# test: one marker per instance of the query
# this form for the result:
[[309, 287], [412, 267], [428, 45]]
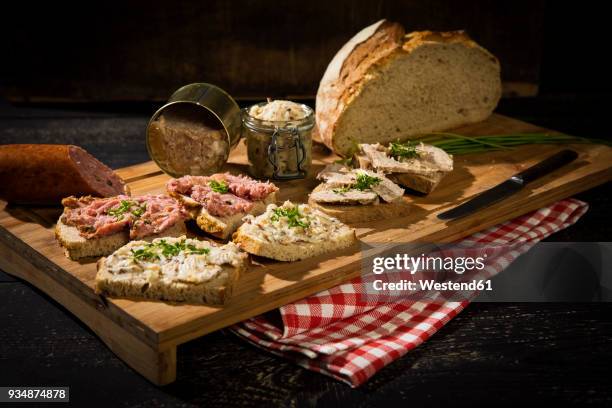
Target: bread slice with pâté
[[222, 200], [77, 247], [357, 195], [172, 269], [93, 227], [291, 232], [418, 166]]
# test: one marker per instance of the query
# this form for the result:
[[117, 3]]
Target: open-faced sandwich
[[417, 166], [91, 226], [357, 195], [291, 232], [219, 202], [172, 269]]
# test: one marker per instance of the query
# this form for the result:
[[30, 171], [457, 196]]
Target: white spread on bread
[[173, 260], [292, 223]]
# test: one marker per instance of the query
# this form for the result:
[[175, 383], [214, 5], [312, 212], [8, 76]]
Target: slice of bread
[[224, 227], [77, 247], [206, 283], [385, 86], [359, 213], [275, 239]]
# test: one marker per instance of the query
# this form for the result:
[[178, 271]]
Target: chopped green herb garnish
[[294, 218], [138, 211], [120, 211], [144, 254], [341, 190], [218, 186], [127, 206], [151, 251], [365, 182], [405, 149]]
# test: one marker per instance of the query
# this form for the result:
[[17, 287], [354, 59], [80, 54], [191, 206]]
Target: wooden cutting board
[[146, 334]]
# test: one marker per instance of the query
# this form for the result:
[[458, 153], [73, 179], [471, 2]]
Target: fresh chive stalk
[[456, 144]]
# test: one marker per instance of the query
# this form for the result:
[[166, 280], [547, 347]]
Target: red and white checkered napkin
[[349, 336]]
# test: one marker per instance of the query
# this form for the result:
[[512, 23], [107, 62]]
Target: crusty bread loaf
[[385, 86], [355, 213], [77, 247]]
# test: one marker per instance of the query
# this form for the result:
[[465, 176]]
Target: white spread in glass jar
[[278, 110], [279, 140]]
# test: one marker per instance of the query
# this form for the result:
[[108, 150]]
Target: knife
[[510, 186]]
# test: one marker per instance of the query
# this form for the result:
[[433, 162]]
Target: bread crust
[[334, 94], [361, 66]]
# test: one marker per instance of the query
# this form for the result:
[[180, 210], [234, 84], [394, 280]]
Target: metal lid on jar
[[194, 131]]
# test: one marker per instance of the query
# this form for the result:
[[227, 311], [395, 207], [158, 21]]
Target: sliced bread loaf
[[384, 86]]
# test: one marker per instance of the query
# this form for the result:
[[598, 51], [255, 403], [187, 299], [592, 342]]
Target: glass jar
[[278, 150]]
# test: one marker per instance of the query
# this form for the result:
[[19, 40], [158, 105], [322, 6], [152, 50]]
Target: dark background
[[142, 51], [91, 73]]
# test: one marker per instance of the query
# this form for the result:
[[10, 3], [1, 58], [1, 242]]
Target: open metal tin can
[[194, 131]]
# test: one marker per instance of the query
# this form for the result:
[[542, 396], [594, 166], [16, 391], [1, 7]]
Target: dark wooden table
[[491, 354]]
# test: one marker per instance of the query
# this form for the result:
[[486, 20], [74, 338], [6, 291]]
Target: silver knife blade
[[510, 186]]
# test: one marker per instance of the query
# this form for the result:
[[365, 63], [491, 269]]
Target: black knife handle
[[547, 166]]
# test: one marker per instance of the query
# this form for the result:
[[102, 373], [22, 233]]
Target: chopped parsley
[[151, 251], [218, 186], [341, 190], [294, 218], [120, 211], [144, 254], [406, 149], [138, 211], [364, 181], [127, 206]]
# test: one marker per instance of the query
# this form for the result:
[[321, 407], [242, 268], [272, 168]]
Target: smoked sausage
[[45, 173]]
